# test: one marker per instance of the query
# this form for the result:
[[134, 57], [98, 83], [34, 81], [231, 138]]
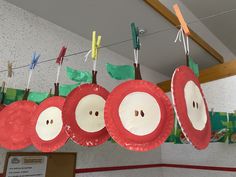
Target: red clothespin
[[181, 19], [61, 55]]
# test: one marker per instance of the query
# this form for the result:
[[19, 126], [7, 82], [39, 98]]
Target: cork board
[[58, 164]]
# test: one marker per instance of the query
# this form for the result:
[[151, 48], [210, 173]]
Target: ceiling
[[224, 26], [112, 18]]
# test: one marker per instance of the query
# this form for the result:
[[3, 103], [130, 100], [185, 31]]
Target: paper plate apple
[[47, 132], [15, 119], [189, 102], [83, 112], [138, 114], [191, 107]]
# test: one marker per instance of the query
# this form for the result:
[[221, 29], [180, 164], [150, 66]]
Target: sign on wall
[[36, 164], [26, 166]]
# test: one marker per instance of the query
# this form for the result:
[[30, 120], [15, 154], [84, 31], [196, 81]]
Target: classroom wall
[[21, 34], [220, 96]]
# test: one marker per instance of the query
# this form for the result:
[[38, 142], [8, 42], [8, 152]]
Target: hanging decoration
[[83, 111], [37, 97], [138, 114], [15, 118], [76, 76], [122, 72], [47, 132], [5, 85], [189, 102]]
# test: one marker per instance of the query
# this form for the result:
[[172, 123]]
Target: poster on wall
[[23, 166]]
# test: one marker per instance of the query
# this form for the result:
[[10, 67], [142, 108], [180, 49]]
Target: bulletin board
[[57, 164]]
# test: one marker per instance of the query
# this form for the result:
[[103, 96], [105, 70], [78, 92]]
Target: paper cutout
[[15, 125], [78, 76], [90, 113], [131, 100], [193, 66], [120, 72], [191, 108], [47, 132], [65, 89], [139, 117], [37, 97], [87, 101], [195, 105]]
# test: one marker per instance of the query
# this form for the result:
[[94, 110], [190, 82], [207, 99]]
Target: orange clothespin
[[181, 19]]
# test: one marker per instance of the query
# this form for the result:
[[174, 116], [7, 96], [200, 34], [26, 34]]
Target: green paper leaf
[[37, 97], [194, 66], [122, 72], [11, 93], [66, 89], [78, 76]]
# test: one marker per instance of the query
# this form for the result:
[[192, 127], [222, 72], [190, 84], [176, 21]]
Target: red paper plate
[[47, 130], [138, 115], [15, 125], [83, 114], [191, 107]]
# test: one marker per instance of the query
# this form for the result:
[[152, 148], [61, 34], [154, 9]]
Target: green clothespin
[[135, 36]]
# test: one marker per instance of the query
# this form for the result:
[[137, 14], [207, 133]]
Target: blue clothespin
[[135, 36], [34, 61]]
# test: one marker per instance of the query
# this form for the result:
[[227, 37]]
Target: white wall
[[21, 33], [221, 96]]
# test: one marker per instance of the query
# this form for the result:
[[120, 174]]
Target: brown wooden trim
[[215, 72], [166, 13]]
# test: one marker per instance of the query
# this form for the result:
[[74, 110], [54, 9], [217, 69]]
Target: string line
[[128, 40]]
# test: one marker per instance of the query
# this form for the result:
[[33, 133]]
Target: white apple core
[[195, 104], [90, 113], [49, 123], [139, 113]]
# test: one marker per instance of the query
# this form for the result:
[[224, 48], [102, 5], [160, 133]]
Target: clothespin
[[180, 17], [96, 43], [59, 61], [183, 33], [34, 61], [9, 69], [135, 36], [61, 55], [136, 41]]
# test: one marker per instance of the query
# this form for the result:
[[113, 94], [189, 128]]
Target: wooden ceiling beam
[[215, 72], [166, 13]]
